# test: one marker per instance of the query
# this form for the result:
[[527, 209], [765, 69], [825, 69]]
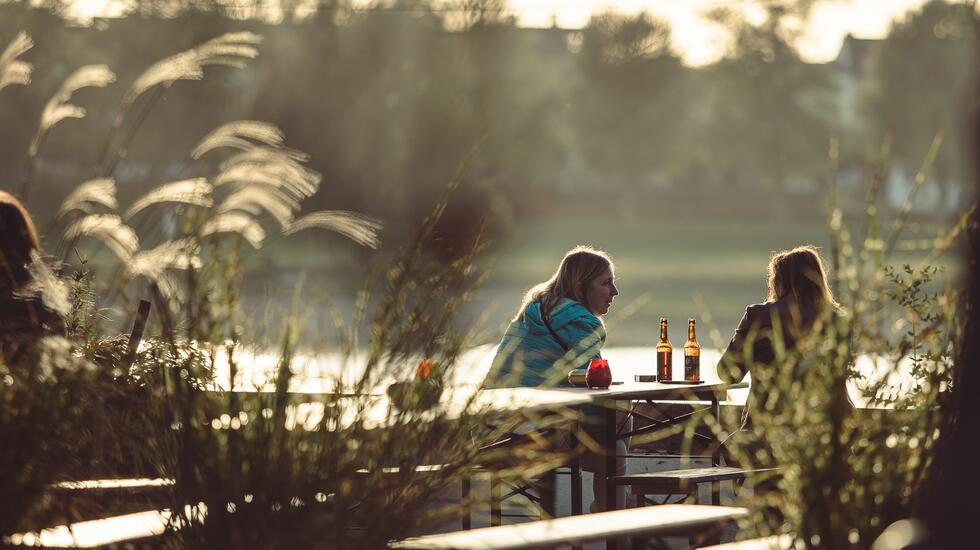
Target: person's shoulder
[[532, 309], [571, 311], [753, 310], [530, 321], [761, 314]]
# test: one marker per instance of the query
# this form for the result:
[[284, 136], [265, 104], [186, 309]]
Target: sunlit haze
[[699, 41], [695, 39]]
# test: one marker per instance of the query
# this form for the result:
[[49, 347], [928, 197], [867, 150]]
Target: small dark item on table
[[645, 377], [419, 395]]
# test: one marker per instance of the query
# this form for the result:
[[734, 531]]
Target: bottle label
[[692, 367]]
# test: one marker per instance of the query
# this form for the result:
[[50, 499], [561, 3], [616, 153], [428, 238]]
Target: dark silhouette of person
[[23, 314], [769, 333]]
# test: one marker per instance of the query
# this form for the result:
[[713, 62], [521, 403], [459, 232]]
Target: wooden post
[[136, 336]]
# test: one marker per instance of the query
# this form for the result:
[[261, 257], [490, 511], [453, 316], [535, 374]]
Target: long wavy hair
[[799, 275], [577, 269], [18, 239]]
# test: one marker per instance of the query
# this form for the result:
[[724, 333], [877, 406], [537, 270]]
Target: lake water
[[323, 372]]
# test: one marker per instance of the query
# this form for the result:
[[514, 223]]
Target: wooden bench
[[683, 482], [775, 542], [654, 521], [128, 528], [76, 501], [112, 484]]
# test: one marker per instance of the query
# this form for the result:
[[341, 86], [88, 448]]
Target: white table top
[[656, 390], [458, 401]]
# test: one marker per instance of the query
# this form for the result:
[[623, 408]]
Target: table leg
[[495, 504], [467, 506], [609, 434], [716, 413], [609, 448], [716, 453], [576, 475]]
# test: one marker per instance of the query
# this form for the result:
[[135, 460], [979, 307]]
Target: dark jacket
[[23, 321], [754, 344]]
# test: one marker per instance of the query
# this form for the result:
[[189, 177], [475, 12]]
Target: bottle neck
[[663, 332], [690, 332]]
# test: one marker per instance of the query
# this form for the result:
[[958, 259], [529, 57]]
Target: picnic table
[[458, 401], [712, 391], [652, 393]]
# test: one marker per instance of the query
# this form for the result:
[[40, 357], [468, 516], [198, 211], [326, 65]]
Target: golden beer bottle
[[692, 354], [664, 353]]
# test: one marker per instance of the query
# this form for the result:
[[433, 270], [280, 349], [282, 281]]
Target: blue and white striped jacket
[[529, 355]]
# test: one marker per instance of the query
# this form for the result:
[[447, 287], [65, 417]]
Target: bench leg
[[692, 493], [494, 501], [576, 482], [466, 508], [710, 537], [737, 485], [549, 496]]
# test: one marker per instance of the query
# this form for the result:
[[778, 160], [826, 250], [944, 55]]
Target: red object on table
[[598, 375]]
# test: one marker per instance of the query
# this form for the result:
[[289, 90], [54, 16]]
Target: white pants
[[592, 462]]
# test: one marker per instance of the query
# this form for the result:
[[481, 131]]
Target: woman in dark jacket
[[798, 301]]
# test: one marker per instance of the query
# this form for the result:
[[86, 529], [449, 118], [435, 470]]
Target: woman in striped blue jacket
[[557, 329]]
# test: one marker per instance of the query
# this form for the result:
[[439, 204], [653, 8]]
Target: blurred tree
[[626, 109], [387, 102], [612, 39], [761, 130], [945, 499], [922, 89]]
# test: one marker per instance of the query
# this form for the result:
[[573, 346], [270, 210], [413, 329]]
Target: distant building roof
[[853, 53]]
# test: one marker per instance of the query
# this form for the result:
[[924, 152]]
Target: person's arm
[[732, 367]]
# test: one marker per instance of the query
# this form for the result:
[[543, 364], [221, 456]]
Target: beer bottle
[[692, 354], [664, 353]]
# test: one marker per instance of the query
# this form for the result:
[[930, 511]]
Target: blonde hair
[[799, 273], [577, 269]]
